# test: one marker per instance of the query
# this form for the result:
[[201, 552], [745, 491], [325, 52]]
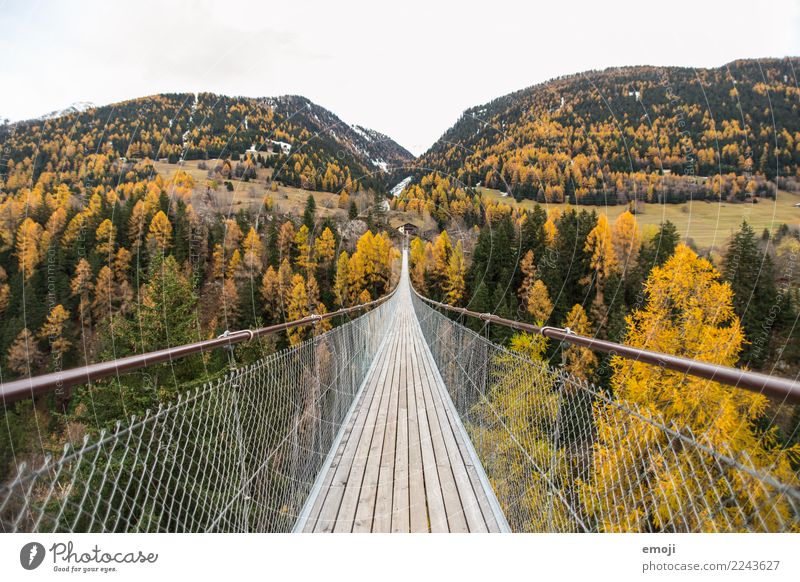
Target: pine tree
[[310, 213], [750, 273], [653, 253]]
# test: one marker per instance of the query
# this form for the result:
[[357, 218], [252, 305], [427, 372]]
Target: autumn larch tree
[[638, 471]]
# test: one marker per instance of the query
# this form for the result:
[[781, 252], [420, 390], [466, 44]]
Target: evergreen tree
[[310, 213], [750, 272]]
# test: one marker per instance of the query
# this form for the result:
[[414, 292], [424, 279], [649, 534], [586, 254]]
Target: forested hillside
[[105, 252], [655, 134], [306, 145]]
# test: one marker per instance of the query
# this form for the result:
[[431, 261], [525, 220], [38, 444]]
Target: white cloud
[[407, 69]]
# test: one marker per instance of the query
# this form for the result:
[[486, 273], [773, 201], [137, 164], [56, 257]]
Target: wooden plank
[[332, 509], [363, 488], [437, 515], [403, 464], [469, 501], [382, 514], [313, 515], [445, 481], [400, 496], [416, 482]]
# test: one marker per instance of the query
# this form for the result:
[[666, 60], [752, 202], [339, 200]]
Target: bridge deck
[[404, 463]]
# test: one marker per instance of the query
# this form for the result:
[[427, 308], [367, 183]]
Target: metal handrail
[[781, 388], [24, 388]]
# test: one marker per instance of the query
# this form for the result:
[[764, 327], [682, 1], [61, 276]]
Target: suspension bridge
[[399, 420]]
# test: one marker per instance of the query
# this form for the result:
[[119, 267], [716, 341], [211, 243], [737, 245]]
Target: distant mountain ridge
[[315, 149], [600, 135]]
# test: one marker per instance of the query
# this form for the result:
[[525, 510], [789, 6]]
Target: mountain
[[653, 133], [76, 107], [306, 144], [377, 149]]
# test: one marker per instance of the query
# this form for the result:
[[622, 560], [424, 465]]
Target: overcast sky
[[406, 68]]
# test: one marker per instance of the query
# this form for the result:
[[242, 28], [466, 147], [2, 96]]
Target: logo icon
[[31, 555]]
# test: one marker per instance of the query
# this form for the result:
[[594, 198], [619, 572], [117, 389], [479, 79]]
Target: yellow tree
[[136, 224], [357, 276], [286, 240], [341, 284], [302, 242], [159, 236], [232, 236], [29, 253], [638, 479], [218, 262], [416, 264], [538, 302], [442, 249], [285, 284], [602, 261], [105, 235], [528, 269], [52, 332], [230, 302], [103, 294], [270, 293], [579, 361], [627, 241], [234, 270], [364, 297], [252, 253], [121, 264], [297, 308], [24, 356], [325, 246], [81, 286], [456, 270]]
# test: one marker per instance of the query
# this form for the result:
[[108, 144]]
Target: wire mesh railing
[[238, 454], [564, 456]]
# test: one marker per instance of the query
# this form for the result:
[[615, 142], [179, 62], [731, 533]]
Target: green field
[[708, 224]]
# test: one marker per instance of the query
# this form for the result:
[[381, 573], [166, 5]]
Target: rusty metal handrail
[[781, 388], [24, 388]]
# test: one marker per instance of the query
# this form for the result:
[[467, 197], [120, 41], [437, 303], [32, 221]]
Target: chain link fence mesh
[[563, 456], [236, 455]]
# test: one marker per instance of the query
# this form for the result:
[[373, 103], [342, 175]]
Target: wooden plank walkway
[[402, 464]]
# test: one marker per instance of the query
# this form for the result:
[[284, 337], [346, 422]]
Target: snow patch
[[77, 107], [399, 187]]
